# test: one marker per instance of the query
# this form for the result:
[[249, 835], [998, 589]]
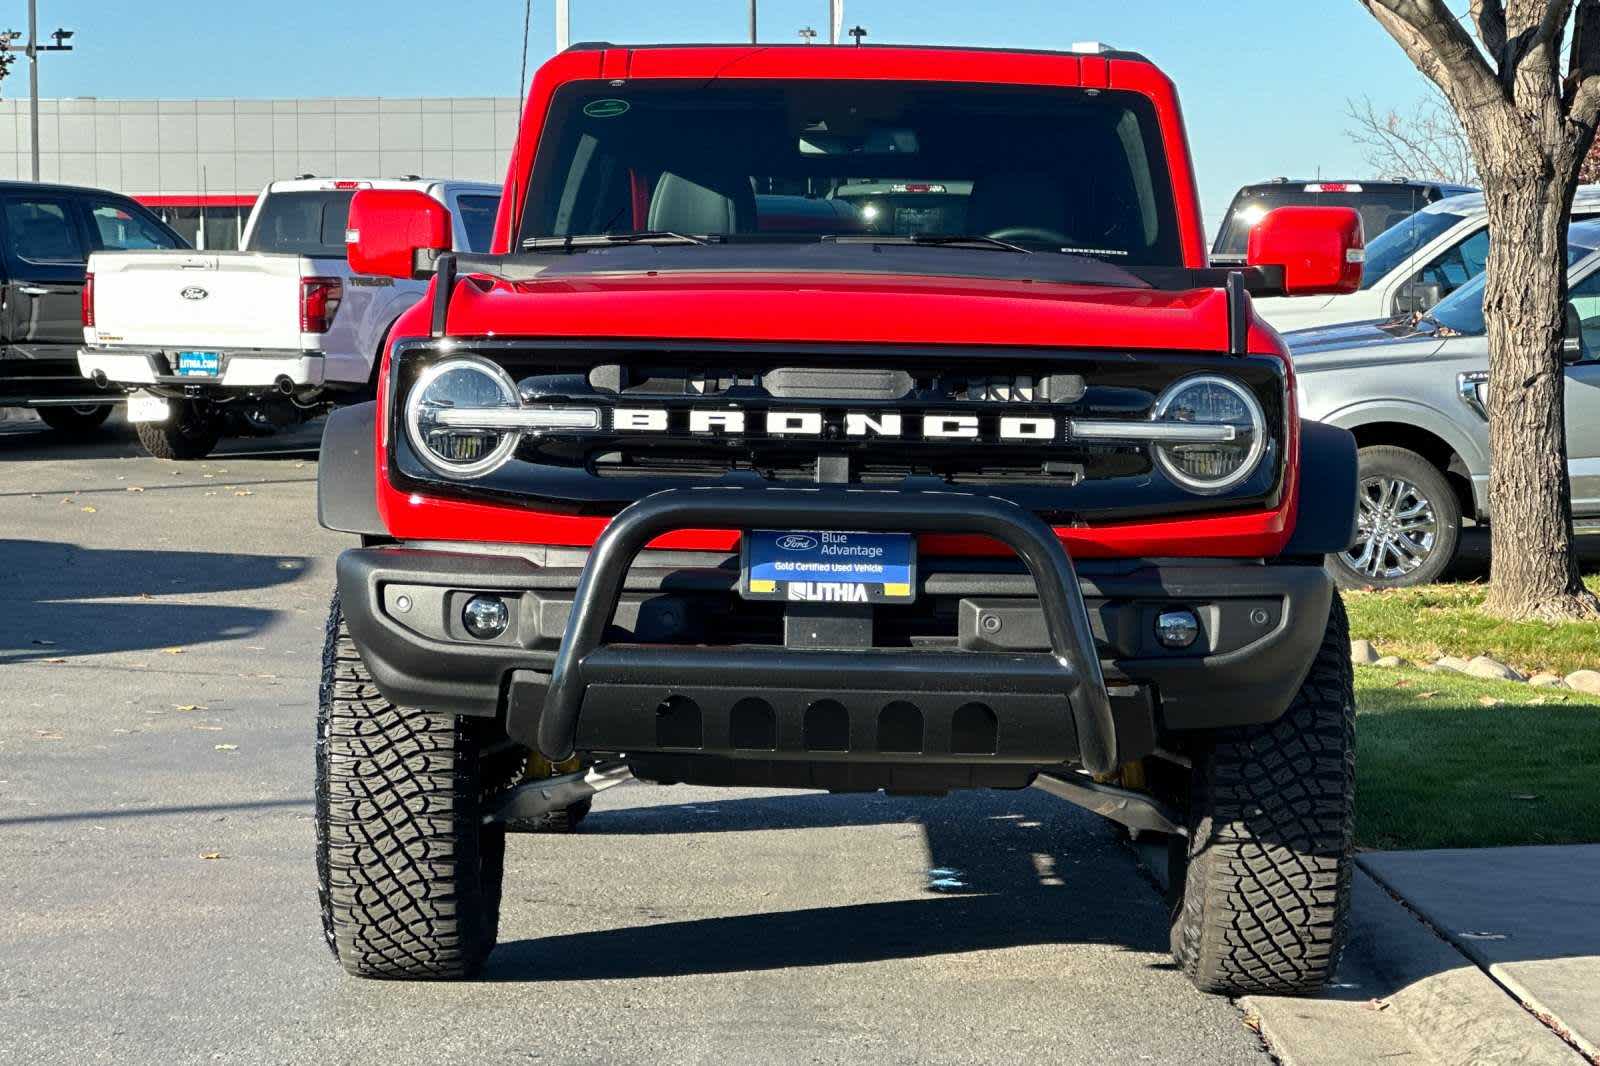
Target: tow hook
[[531, 799], [1132, 809]]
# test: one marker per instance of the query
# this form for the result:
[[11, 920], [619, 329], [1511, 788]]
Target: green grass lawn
[[1422, 624], [1436, 768]]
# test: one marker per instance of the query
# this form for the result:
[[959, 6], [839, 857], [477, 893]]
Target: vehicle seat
[[1006, 201], [703, 204]]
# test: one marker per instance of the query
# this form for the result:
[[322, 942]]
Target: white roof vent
[[1091, 48]]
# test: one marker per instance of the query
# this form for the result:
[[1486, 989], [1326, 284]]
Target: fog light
[[1177, 629], [485, 617]]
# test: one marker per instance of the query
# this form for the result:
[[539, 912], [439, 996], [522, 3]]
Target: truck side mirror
[[396, 233], [1416, 296], [1573, 347], [1319, 249]]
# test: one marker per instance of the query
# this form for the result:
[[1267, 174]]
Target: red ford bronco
[[850, 419]]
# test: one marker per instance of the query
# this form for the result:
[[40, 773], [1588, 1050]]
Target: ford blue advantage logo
[[797, 542]]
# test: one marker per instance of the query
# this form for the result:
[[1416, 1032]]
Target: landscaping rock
[[1585, 681], [1362, 651], [1450, 662], [1389, 660], [1547, 681], [1483, 666]]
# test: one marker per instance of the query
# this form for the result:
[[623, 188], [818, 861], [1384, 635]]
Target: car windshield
[[306, 223], [800, 160], [1380, 207], [1399, 242], [1462, 311]]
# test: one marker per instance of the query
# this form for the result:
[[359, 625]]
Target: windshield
[[306, 223], [1399, 242], [1047, 169], [1380, 207], [1462, 310]]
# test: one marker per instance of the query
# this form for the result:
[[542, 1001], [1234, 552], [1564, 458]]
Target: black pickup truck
[[46, 235]]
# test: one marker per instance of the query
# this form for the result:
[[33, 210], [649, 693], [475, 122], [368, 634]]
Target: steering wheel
[[1030, 233]]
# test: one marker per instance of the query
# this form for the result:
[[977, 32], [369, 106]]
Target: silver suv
[[1412, 391]]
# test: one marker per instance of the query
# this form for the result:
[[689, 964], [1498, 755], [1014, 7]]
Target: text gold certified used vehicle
[[710, 475]]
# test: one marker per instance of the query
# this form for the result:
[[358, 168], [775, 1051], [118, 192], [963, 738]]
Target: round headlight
[[1211, 465], [461, 385]]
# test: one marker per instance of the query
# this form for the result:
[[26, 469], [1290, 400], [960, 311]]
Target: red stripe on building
[[196, 201]]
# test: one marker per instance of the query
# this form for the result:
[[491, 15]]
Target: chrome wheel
[[1397, 529]]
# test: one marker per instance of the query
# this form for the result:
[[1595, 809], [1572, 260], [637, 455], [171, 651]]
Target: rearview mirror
[[880, 140], [1319, 249], [1416, 296], [1573, 348], [396, 233]]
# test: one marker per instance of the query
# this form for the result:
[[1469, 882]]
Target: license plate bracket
[[828, 566], [199, 364]]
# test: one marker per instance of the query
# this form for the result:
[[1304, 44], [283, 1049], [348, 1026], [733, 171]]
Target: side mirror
[[396, 233], [1319, 249], [1573, 348], [1416, 296]]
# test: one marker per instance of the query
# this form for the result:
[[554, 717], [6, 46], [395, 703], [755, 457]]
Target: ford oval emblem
[[797, 542], [194, 292]]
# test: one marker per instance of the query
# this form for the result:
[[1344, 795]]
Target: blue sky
[[1264, 84]]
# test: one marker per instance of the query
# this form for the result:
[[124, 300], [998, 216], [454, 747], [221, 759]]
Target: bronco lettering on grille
[[818, 425]]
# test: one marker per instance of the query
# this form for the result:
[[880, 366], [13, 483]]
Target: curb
[[1402, 993]]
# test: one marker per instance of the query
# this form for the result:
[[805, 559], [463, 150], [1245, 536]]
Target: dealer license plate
[[143, 407], [199, 364], [826, 566]]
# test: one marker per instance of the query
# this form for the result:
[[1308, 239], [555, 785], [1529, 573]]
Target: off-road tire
[[1384, 460], [408, 874], [1266, 882], [75, 421], [190, 432]]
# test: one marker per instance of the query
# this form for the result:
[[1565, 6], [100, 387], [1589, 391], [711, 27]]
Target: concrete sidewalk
[[1407, 993], [1529, 916]]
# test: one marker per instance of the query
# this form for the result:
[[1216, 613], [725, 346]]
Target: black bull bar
[[1070, 672]]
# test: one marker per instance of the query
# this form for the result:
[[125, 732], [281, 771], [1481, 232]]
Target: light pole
[[32, 50], [752, 21], [563, 25]]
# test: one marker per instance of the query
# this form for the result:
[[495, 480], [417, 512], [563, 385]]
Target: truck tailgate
[[198, 299]]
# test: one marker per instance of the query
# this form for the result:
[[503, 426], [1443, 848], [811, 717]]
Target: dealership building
[[200, 163]]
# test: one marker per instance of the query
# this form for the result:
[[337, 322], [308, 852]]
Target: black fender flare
[[347, 473], [1326, 523]]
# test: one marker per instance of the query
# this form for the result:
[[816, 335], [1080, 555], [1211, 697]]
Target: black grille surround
[[1069, 482]]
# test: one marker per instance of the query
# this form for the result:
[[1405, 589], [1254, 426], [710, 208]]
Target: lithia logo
[[839, 425]]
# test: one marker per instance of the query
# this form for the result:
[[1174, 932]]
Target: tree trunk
[[1534, 569]]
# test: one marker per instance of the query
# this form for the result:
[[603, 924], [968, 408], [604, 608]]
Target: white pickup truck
[[273, 334]]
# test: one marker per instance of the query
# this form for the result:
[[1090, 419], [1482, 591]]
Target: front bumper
[[1041, 666], [240, 369]]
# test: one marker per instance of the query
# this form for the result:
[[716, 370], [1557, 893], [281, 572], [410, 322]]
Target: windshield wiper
[[601, 240], [931, 240]]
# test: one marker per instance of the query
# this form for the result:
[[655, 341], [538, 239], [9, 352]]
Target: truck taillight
[[88, 301], [319, 301]]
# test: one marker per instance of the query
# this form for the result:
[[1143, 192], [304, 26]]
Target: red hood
[[843, 308]]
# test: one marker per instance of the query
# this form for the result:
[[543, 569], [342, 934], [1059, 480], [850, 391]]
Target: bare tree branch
[[1490, 18], [1581, 95], [1426, 142], [1439, 46]]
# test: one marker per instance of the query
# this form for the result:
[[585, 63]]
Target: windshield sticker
[[605, 108]]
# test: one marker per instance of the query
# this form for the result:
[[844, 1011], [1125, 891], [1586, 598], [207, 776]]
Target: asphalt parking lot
[[160, 627]]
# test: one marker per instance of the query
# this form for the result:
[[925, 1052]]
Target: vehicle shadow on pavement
[[61, 600], [116, 440], [1005, 869]]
